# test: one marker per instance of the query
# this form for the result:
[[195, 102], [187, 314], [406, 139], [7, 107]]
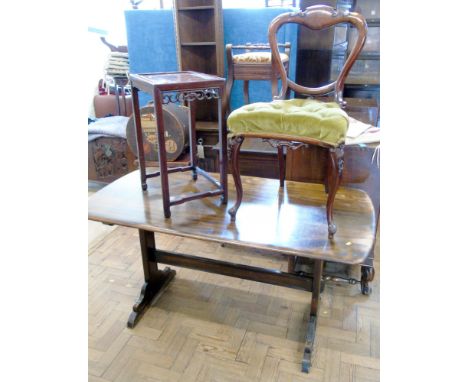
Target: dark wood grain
[[188, 86], [155, 280], [287, 221]]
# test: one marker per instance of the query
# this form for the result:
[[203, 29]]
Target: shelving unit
[[364, 78], [321, 54], [199, 42]]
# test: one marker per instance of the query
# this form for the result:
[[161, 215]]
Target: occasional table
[[179, 87], [289, 221]]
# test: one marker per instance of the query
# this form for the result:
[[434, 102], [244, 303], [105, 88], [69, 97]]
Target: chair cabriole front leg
[[234, 148], [335, 172]]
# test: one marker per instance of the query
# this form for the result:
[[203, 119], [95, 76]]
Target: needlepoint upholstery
[[256, 58], [323, 121]]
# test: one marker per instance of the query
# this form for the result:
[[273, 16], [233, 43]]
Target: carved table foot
[[331, 230], [367, 275], [310, 337], [312, 324], [149, 291]]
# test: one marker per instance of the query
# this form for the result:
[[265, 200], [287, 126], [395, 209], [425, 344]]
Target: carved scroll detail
[[340, 157], [190, 95], [231, 142], [275, 143]]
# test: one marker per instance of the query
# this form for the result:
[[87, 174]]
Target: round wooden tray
[[176, 125]]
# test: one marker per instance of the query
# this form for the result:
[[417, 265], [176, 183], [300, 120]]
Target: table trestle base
[[156, 281], [246, 272], [149, 292]]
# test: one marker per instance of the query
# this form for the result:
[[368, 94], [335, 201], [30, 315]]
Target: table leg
[[139, 137], [223, 147], [291, 264], [312, 324], [162, 152], [155, 280]]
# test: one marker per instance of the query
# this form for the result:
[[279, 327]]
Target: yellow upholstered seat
[[322, 121], [256, 58]]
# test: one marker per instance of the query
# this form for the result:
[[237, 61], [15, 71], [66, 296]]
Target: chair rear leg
[[246, 92], [234, 148], [281, 165], [327, 177], [336, 158]]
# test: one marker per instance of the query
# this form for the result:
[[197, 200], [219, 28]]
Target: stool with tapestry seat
[[254, 64]]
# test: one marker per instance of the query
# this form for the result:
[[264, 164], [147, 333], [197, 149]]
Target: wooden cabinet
[[199, 43]]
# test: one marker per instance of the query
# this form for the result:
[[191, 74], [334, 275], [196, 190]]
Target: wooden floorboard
[[207, 327]]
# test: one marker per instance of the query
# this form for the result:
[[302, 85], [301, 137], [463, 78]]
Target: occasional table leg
[[162, 152], [139, 137], [223, 157], [155, 279], [312, 324], [193, 139]]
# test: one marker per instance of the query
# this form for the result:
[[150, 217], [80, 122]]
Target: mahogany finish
[[316, 18], [187, 87], [287, 221], [155, 279], [291, 224]]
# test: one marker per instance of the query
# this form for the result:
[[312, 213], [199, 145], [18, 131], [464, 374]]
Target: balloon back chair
[[299, 122]]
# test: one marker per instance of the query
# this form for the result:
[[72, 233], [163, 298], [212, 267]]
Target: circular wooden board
[[176, 127]]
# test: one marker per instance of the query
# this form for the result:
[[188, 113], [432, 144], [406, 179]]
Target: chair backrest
[[317, 17]]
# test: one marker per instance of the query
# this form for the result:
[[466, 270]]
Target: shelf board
[[206, 125], [362, 56], [361, 81], [197, 8], [201, 43]]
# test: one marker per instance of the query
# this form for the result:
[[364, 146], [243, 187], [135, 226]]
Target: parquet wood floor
[[209, 327]]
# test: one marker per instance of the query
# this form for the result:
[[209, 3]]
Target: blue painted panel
[[151, 42], [251, 25], [152, 47]]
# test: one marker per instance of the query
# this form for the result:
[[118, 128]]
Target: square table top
[[289, 221], [171, 81]]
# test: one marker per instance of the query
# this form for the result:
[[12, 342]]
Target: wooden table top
[[166, 81], [290, 221]]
